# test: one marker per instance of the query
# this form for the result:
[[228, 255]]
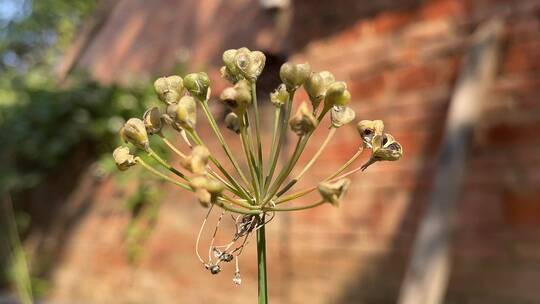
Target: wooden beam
[[427, 276]]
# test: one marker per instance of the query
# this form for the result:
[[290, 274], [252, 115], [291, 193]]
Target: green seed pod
[[186, 112], [123, 158], [196, 162], [332, 192], [337, 94], [197, 85], [341, 115], [390, 150], [249, 63], [232, 122], [280, 96], [134, 132], [294, 75], [303, 121], [228, 60], [169, 89], [243, 63], [152, 120], [368, 129], [316, 86]]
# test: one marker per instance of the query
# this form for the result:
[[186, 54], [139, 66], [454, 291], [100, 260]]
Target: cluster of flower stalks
[[253, 197]]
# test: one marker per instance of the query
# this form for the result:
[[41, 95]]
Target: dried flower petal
[[341, 115], [332, 192], [368, 129], [303, 121], [152, 120], [123, 158], [387, 149], [279, 96]]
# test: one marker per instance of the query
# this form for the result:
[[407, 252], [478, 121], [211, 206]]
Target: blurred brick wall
[[400, 60]]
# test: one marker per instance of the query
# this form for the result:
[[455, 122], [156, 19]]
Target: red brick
[[368, 86], [392, 21], [443, 9], [522, 57]]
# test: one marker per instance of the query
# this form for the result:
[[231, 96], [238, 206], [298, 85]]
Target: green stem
[[165, 165], [141, 162], [282, 136], [309, 164], [257, 131], [261, 260], [242, 191], [299, 207], [300, 145], [250, 160], [215, 128]]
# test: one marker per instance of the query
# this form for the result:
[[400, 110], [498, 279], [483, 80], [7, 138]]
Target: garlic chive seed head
[[186, 112], [332, 192], [243, 63], [303, 122], [368, 129], [385, 148], [197, 85], [134, 132], [123, 158], [198, 159], [341, 115], [294, 75], [152, 120], [232, 122], [238, 97], [316, 86], [337, 94], [169, 89]]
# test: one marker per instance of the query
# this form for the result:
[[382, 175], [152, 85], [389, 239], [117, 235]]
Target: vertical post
[[428, 272]]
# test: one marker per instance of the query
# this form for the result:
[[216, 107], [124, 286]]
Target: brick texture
[[401, 60]]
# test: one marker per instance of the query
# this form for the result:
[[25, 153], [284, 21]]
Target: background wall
[[400, 60]]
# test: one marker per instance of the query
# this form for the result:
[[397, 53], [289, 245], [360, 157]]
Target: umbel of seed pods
[[254, 196]]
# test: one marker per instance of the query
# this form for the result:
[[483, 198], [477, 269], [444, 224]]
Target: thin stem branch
[[164, 164], [172, 147], [250, 161], [215, 128], [329, 178], [141, 162], [257, 131], [309, 164], [282, 137], [298, 207], [242, 191]]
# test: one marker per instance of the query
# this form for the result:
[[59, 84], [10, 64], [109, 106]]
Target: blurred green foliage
[[43, 122]]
